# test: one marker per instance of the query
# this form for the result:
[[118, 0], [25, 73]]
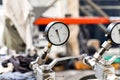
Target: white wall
[[57, 10], [41, 3], [1, 24]]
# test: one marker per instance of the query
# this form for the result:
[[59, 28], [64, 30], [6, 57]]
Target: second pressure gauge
[[57, 33], [114, 32]]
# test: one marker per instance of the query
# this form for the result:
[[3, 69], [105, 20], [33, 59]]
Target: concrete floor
[[73, 74]]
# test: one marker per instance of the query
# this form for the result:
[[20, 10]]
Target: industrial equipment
[[57, 33]]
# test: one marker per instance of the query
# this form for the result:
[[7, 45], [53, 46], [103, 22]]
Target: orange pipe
[[81, 20]]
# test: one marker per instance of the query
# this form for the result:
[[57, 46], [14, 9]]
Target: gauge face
[[57, 33], [114, 32]]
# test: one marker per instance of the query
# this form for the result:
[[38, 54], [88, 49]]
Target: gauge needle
[[58, 34]]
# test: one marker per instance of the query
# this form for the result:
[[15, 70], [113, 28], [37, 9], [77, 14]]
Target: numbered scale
[[57, 33]]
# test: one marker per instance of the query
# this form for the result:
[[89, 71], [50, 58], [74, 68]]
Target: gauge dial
[[57, 33], [114, 32]]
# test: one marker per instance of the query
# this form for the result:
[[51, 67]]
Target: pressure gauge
[[57, 33], [114, 32]]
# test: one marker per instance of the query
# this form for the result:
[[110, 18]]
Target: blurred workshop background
[[87, 20]]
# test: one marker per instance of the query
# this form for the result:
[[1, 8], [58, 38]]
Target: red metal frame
[[80, 20]]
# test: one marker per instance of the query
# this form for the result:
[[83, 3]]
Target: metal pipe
[[52, 64]]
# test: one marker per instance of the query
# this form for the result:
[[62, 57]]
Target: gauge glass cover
[[115, 34], [57, 33]]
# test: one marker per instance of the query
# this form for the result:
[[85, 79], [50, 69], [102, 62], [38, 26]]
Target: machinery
[[57, 33]]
